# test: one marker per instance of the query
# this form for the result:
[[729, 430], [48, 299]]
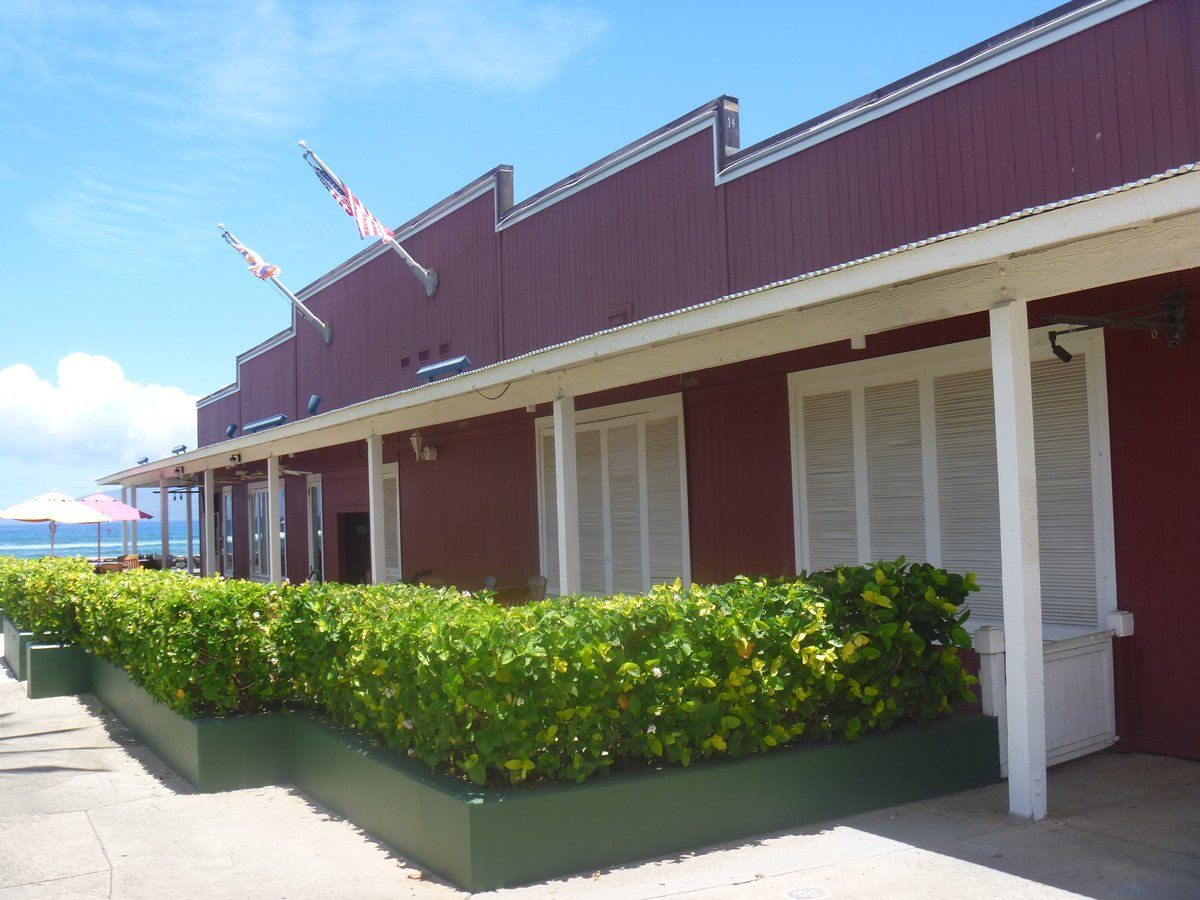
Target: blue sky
[[130, 129]]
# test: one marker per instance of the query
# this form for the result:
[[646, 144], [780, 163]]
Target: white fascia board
[[1124, 234]]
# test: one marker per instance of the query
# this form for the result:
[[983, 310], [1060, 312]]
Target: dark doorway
[[354, 539]]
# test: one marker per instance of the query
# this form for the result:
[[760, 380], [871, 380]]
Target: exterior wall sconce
[[235, 459], [231, 429], [423, 453], [313, 403]]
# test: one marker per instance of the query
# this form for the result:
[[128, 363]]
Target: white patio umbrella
[[54, 507], [115, 510]]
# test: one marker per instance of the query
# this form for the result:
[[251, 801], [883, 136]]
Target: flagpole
[[427, 277], [326, 331]]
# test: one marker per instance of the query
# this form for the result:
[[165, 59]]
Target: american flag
[[367, 223]]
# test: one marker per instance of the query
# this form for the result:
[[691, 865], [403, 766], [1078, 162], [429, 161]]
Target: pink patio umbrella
[[54, 507], [115, 510]]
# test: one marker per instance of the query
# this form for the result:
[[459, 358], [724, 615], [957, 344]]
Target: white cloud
[[91, 421], [270, 65]]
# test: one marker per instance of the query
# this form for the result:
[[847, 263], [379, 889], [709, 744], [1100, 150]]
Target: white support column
[[567, 488], [124, 525], [133, 526], [275, 567], [1020, 566], [190, 554], [164, 518], [208, 527], [375, 498]]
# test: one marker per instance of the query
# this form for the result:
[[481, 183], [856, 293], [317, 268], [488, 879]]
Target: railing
[[1078, 679]]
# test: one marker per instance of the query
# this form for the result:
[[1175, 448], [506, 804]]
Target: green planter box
[[15, 642], [56, 670], [482, 839]]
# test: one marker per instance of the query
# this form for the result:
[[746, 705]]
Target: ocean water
[[30, 539]]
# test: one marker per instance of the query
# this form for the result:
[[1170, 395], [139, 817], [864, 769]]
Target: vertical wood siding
[[472, 512], [640, 242], [1154, 432], [739, 480], [1107, 106]]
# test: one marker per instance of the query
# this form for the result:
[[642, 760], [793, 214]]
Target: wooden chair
[[130, 561], [537, 588]]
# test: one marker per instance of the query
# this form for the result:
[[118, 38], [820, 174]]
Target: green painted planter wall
[[15, 642], [55, 670], [481, 839]]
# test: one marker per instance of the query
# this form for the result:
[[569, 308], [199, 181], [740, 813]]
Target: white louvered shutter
[[391, 526], [968, 490], [664, 492], [895, 478], [829, 480], [625, 509], [1066, 530], [592, 539]]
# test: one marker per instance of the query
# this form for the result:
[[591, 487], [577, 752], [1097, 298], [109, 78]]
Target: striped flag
[[259, 267], [367, 223]]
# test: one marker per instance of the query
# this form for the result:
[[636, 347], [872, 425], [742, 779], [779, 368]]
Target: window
[[227, 531], [260, 539], [632, 497], [897, 456], [259, 566], [391, 522], [316, 530]]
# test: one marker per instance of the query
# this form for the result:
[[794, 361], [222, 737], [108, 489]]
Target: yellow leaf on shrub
[[717, 741]]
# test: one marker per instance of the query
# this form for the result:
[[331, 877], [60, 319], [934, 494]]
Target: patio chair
[[537, 588]]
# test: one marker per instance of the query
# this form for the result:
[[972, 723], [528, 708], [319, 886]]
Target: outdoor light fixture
[[1061, 352], [143, 460], [313, 402], [179, 470], [231, 429], [445, 367], [182, 448], [235, 459], [262, 424], [423, 453]]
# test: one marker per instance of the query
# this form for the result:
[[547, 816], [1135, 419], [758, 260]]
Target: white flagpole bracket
[[427, 277], [326, 331]]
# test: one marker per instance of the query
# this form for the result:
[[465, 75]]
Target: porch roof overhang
[[1144, 228]]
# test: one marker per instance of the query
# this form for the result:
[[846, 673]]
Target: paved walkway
[[86, 811]]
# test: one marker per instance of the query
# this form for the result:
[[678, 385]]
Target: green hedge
[[557, 690]]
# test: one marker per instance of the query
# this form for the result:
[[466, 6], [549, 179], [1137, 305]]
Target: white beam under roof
[[1134, 231]]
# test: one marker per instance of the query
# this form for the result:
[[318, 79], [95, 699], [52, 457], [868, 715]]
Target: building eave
[[1132, 231]]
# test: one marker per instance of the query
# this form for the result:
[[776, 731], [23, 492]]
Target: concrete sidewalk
[[86, 811]]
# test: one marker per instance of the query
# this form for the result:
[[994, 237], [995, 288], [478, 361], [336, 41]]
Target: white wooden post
[[124, 525], [164, 518], [567, 488], [989, 644], [1020, 567], [208, 527], [190, 554], [375, 505], [275, 567], [133, 526]]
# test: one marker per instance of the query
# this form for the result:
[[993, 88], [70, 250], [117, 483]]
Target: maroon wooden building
[[692, 359]]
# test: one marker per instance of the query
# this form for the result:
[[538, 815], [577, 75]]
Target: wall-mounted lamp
[[313, 402], [423, 453], [1061, 352], [143, 460], [262, 424], [182, 448], [179, 470], [445, 367], [235, 459], [231, 429]]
